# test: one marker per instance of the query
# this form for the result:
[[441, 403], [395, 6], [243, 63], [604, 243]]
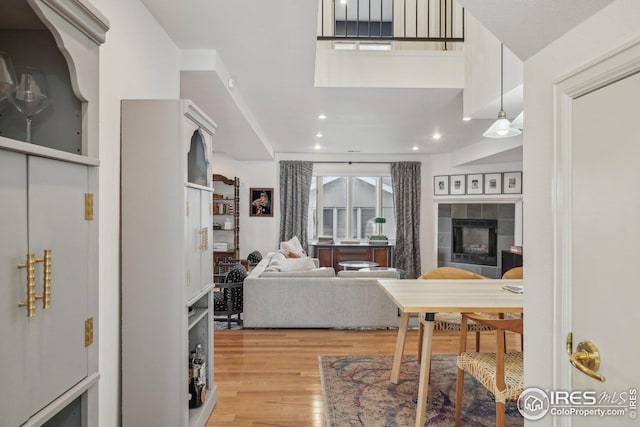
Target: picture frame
[[475, 183], [512, 183], [457, 184], [493, 183], [261, 202], [441, 185]]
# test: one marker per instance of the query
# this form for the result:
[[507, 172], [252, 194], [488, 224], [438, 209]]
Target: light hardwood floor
[[270, 377]]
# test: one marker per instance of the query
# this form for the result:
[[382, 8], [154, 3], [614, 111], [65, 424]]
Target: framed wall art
[[493, 183], [261, 202], [475, 183], [441, 185], [457, 184], [512, 183]]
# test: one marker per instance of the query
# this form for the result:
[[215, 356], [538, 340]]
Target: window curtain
[[406, 197], [295, 186]]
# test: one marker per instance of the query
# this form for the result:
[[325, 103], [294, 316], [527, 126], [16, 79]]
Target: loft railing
[[391, 20]]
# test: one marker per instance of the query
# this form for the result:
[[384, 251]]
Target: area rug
[[357, 391]]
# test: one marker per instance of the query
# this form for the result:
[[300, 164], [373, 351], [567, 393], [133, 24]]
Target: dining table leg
[[425, 368], [397, 357]]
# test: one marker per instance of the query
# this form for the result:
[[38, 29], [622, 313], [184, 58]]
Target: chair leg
[[420, 331], [499, 414], [228, 321], [477, 341], [459, 391]]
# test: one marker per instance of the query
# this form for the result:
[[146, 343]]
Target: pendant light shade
[[501, 128]]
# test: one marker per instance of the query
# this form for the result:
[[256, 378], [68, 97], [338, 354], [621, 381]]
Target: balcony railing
[[391, 20]]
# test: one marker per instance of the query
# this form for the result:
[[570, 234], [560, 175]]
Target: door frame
[[614, 66]]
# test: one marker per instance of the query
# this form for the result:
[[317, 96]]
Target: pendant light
[[501, 128]]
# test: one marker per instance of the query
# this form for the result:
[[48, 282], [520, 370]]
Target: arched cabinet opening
[[39, 104], [197, 160]]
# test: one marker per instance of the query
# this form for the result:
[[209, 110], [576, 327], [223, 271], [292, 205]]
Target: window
[[363, 197]]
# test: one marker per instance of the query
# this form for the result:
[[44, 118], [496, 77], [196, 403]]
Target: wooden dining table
[[436, 296]]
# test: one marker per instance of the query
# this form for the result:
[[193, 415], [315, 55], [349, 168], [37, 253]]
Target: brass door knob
[[586, 358]]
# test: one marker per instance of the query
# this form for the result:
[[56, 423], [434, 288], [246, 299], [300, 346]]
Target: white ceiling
[[268, 47]]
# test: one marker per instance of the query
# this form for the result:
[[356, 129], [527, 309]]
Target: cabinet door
[[194, 241], [206, 261], [14, 407], [325, 256], [59, 358], [382, 256]]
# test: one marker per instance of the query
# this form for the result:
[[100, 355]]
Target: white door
[[57, 223], [601, 243], [14, 407]]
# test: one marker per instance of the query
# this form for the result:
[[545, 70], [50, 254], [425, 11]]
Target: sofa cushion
[[297, 264], [316, 272], [375, 274]]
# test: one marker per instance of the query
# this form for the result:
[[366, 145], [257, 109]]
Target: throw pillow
[[292, 245]]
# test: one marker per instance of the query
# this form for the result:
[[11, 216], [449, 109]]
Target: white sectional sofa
[[316, 298]]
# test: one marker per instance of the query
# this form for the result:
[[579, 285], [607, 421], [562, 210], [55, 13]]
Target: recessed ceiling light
[[319, 134], [415, 148], [436, 136], [466, 119], [343, 1], [317, 146], [322, 116]]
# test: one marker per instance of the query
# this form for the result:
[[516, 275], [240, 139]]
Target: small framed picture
[[475, 183], [261, 201], [512, 183], [457, 184], [441, 185], [493, 183]]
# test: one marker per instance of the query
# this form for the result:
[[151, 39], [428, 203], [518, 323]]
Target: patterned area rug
[[357, 392]]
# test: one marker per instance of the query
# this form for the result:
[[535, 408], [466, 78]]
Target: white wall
[[608, 30], [138, 60], [256, 233]]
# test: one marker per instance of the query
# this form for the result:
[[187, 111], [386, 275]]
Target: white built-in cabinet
[[48, 219], [167, 278]]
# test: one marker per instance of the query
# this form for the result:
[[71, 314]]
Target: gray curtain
[[406, 197], [295, 186]]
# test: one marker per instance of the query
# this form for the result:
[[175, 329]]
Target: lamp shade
[[501, 128]]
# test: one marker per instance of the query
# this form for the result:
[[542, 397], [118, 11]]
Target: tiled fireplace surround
[[503, 212]]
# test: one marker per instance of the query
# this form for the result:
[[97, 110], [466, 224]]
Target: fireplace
[[474, 241]]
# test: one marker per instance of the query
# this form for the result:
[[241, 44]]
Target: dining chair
[[515, 273], [450, 321], [228, 299], [501, 372]]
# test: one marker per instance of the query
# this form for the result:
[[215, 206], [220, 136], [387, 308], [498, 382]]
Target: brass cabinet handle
[[30, 303], [46, 288], [586, 358], [204, 239]]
